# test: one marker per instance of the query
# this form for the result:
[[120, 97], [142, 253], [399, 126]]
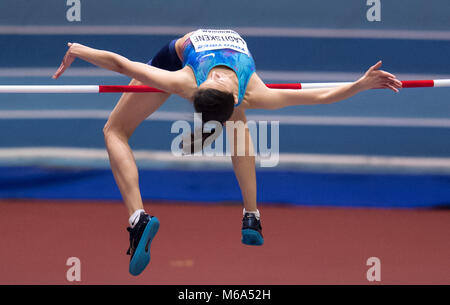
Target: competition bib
[[206, 40]]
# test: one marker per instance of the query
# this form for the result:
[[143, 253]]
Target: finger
[[57, 73], [61, 71], [64, 65], [384, 73], [376, 66], [398, 84], [61, 66], [394, 79], [69, 61], [394, 82], [392, 88], [389, 79]]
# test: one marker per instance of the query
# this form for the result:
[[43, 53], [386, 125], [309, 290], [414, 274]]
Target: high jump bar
[[124, 88]]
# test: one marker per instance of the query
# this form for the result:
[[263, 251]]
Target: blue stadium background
[[377, 149]]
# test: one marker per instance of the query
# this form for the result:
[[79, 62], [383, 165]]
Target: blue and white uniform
[[206, 49]]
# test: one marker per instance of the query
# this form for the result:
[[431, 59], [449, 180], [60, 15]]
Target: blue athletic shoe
[[141, 237], [251, 230]]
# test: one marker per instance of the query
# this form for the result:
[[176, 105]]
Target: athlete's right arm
[[265, 98], [168, 81]]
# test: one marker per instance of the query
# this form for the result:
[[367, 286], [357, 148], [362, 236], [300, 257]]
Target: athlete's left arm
[[267, 98], [168, 81]]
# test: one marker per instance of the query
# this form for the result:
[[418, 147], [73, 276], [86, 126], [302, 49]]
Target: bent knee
[[111, 131]]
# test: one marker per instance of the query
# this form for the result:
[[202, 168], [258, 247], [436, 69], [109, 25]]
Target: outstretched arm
[[167, 81], [278, 98]]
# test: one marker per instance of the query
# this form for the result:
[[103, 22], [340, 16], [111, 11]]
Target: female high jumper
[[215, 70]]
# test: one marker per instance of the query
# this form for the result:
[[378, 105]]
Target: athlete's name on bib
[[205, 40]]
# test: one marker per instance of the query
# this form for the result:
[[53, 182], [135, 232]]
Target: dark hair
[[214, 105]]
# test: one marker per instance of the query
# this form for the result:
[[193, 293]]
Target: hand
[[375, 78], [67, 60]]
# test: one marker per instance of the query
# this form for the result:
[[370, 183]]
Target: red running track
[[200, 244]]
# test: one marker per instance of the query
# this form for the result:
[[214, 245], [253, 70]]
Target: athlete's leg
[[129, 112], [243, 158], [244, 162]]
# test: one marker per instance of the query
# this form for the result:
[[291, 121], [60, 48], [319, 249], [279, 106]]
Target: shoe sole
[[252, 238], [141, 257]]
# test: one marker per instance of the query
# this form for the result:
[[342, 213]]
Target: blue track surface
[[288, 187]]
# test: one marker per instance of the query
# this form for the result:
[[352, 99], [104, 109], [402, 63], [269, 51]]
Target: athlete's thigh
[[238, 134], [133, 108]]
